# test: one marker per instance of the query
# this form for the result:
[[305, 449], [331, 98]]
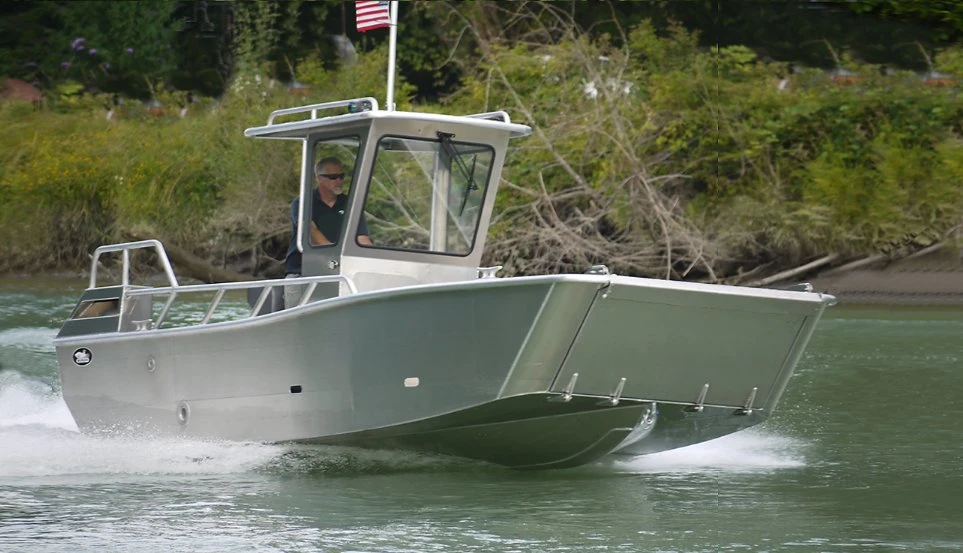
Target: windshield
[[427, 195]]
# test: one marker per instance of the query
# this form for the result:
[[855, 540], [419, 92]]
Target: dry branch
[[927, 250], [866, 261], [186, 263], [629, 218], [796, 271]]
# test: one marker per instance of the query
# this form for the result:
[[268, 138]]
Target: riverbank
[[934, 279]]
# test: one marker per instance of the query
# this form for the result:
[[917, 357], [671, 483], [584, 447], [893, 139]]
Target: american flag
[[372, 15]]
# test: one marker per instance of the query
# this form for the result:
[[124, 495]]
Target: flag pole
[[392, 40]]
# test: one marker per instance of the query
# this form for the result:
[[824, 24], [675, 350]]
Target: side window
[[427, 195], [96, 308], [333, 173]]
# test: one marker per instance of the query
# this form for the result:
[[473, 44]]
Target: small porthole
[[295, 389]]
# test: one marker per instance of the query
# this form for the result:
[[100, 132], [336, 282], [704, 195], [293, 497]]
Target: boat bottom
[[680, 426], [534, 431]]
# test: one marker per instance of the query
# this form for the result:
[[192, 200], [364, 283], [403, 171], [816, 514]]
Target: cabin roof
[[300, 129]]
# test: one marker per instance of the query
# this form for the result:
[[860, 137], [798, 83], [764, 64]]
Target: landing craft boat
[[409, 343]]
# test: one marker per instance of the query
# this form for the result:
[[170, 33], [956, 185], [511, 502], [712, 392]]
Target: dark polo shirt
[[327, 219]]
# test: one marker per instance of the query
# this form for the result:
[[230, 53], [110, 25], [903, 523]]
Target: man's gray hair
[[330, 160]]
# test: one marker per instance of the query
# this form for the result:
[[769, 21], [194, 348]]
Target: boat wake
[[31, 339], [752, 450], [39, 439], [28, 402]]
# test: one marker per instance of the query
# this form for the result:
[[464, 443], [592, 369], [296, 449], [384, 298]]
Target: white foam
[[38, 438], [29, 402], [44, 452], [747, 451], [37, 339]]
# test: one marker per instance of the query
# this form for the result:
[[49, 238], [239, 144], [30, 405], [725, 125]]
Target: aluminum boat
[[409, 342]]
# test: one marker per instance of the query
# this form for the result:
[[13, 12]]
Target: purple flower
[[93, 52], [78, 43], [30, 64], [106, 66], [130, 50], [65, 65]]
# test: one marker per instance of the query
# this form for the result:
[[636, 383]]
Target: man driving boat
[[328, 204]]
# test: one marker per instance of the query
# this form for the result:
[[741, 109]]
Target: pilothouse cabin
[[422, 186]]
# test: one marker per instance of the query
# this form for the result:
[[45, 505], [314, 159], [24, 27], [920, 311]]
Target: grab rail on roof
[[358, 103], [366, 104], [493, 115]]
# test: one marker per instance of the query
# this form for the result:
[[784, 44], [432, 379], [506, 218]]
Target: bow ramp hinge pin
[[747, 410], [698, 406], [616, 394], [566, 395]]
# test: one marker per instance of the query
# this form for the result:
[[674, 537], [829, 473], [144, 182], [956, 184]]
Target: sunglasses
[[332, 176]]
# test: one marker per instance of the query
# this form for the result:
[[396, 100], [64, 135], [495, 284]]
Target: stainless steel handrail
[[221, 288], [493, 115], [126, 247], [173, 289], [313, 108]]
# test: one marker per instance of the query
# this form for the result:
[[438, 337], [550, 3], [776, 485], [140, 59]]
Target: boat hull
[[532, 372]]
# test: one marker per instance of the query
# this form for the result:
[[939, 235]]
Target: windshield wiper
[[445, 139]]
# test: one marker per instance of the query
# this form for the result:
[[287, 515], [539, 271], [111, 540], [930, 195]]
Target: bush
[[648, 153], [73, 181]]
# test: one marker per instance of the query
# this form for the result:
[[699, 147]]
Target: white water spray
[[751, 450], [39, 439]]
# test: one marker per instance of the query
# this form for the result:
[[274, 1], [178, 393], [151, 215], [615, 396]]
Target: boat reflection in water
[[408, 343]]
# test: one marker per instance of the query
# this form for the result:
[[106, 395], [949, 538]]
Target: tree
[[123, 47], [945, 17]]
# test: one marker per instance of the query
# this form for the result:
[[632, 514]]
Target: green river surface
[[865, 453]]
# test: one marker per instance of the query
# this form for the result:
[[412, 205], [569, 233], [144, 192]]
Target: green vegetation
[[650, 153]]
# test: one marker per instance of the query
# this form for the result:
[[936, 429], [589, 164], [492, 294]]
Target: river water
[[865, 453]]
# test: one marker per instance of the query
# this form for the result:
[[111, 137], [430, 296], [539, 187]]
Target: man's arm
[[363, 238], [317, 237]]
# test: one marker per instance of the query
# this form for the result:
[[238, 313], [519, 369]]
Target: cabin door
[[329, 175]]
